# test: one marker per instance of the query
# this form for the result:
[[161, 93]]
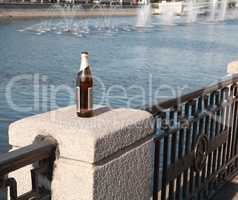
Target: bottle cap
[[84, 61], [84, 52]]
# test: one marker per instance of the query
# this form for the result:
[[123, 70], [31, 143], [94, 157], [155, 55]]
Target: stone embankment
[[41, 13]]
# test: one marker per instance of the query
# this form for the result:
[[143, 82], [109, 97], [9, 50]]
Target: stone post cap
[[85, 139], [232, 68]]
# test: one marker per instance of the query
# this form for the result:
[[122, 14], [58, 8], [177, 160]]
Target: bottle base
[[85, 114]]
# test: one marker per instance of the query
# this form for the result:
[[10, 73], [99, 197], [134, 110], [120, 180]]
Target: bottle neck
[[84, 63]]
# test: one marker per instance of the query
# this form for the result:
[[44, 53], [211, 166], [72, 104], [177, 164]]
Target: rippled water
[[182, 55]]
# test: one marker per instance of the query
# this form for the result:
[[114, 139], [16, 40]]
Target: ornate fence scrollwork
[[200, 153], [198, 150]]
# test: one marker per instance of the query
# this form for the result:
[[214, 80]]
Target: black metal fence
[[196, 142], [42, 156]]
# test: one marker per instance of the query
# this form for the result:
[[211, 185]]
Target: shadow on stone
[[99, 111]]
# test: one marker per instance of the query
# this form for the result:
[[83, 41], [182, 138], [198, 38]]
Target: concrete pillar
[[106, 157]]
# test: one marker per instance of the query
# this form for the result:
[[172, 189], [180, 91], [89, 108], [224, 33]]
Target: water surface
[[183, 55]]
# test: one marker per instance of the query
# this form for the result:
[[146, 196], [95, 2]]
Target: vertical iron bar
[[12, 184], [156, 169], [187, 144], [172, 151], [230, 123], [236, 125], [210, 136], [215, 133], [220, 129], [234, 122], [200, 131], [206, 130], [165, 129], [180, 151], [226, 113], [194, 134]]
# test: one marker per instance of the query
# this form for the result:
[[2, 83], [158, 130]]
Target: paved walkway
[[229, 191]]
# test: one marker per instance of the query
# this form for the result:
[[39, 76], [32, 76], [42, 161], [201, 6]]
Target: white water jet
[[218, 10], [144, 16], [192, 12], [213, 10], [167, 14], [222, 14], [69, 25], [167, 18]]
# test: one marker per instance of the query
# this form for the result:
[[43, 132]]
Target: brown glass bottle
[[84, 86]]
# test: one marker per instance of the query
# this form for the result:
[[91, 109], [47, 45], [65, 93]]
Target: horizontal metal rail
[[158, 108], [41, 155], [24, 156]]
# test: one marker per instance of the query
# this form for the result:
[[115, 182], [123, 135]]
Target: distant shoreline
[[44, 13]]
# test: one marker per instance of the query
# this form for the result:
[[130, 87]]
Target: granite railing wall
[[108, 156]]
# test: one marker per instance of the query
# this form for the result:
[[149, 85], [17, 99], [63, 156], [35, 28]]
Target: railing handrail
[[157, 108], [19, 158]]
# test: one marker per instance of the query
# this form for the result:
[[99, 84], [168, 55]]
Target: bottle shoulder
[[84, 76]]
